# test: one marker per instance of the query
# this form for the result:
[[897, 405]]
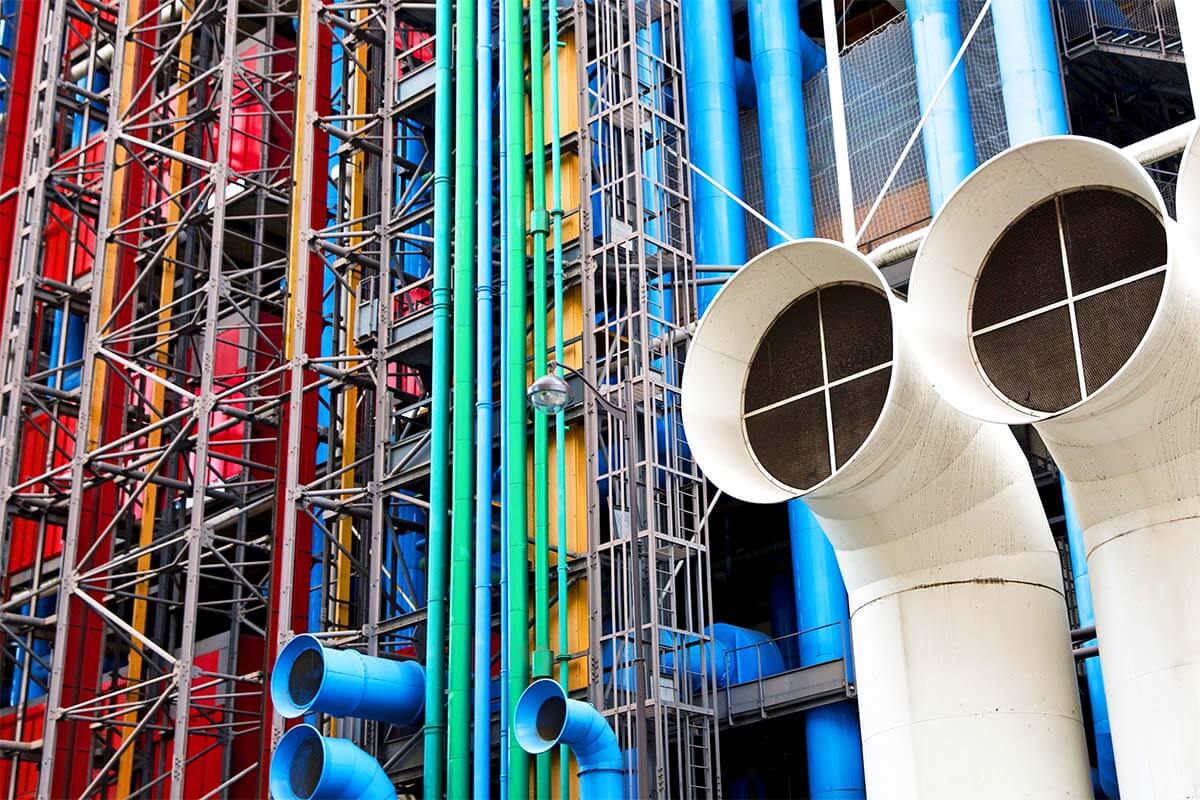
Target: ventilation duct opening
[[1066, 295], [821, 370], [1101, 357]]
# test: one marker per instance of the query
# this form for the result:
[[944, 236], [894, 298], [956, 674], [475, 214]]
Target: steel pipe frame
[[625, 350]]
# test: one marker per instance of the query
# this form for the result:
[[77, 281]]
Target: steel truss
[[639, 294], [367, 499], [153, 456]]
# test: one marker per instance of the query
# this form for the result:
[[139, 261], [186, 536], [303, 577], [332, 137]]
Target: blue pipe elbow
[[309, 766], [546, 717], [309, 677]]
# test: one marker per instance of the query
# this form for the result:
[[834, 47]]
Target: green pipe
[[435, 637], [458, 701], [514, 413], [560, 425], [542, 658]]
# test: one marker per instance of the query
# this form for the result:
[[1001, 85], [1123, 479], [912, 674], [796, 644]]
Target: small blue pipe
[[948, 137], [1030, 79], [309, 766], [1106, 772], [482, 724], [835, 762], [713, 137], [545, 717], [311, 678]]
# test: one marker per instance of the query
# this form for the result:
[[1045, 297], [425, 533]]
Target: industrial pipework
[[801, 381], [309, 678], [1053, 289], [309, 766], [545, 717]]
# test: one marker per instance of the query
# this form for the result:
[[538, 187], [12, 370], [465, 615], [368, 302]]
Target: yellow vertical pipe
[[358, 169], [167, 294]]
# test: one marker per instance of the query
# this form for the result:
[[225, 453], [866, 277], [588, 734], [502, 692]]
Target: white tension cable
[[801, 381]]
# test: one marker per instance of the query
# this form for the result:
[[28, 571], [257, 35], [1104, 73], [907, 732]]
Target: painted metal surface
[[948, 138], [966, 684], [309, 766], [1129, 451]]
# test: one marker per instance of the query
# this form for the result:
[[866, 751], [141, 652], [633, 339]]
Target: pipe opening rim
[[298, 676], [298, 764], [540, 716]]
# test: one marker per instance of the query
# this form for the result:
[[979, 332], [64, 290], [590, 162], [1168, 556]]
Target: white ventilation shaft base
[[1127, 440], [966, 683]]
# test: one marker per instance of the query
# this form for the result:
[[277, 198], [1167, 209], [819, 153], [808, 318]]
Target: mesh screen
[[1109, 236], [788, 360], [856, 406], [792, 442], [858, 329], [1032, 362], [1023, 272], [1112, 324]]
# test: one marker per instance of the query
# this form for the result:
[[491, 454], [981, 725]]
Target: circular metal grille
[[818, 381], [1066, 295]]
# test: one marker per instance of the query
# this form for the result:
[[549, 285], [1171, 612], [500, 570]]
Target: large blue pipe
[[835, 761], [311, 678], [481, 726], [713, 136], [309, 766], [1029, 72], [502, 163], [1106, 770], [783, 57], [546, 717], [948, 137]]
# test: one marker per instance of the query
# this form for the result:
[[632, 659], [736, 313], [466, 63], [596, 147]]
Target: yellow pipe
[[358, 170], [108, 281]]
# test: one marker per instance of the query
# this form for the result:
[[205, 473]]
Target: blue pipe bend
[[309, 766], [310, 677], [546, 717]]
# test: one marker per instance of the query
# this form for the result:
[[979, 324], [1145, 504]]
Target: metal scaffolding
[[142, 461], [651, 670]]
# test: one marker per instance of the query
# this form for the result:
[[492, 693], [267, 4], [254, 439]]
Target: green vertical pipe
[[560, 425], [435, 641], [539, 227], [514, 356], [458, 702]]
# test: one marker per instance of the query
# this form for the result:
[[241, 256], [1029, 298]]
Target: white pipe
[[966, 683], [1188, 14], [837, 109], [1129, 450]]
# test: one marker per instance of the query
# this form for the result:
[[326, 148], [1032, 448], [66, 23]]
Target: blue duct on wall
[[309, 766], [546, 717], [948, 138], [1106, 772], [309, 677], [835, 766], [1029, 72], [713, 137]]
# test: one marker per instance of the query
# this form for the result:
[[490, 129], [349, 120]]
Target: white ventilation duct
[[966, 683], [1053, 289], [1187, 188]]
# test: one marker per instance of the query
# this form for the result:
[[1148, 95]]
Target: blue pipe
[[309, 766], [835, 762], [777, 55], [948, 138], [311, 678], [713, 137], [481, 728], [545, 717], [1029, 72], [1106, 772]]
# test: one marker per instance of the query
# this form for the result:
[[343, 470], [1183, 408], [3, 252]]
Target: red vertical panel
[[302, 560], [12, 139]]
